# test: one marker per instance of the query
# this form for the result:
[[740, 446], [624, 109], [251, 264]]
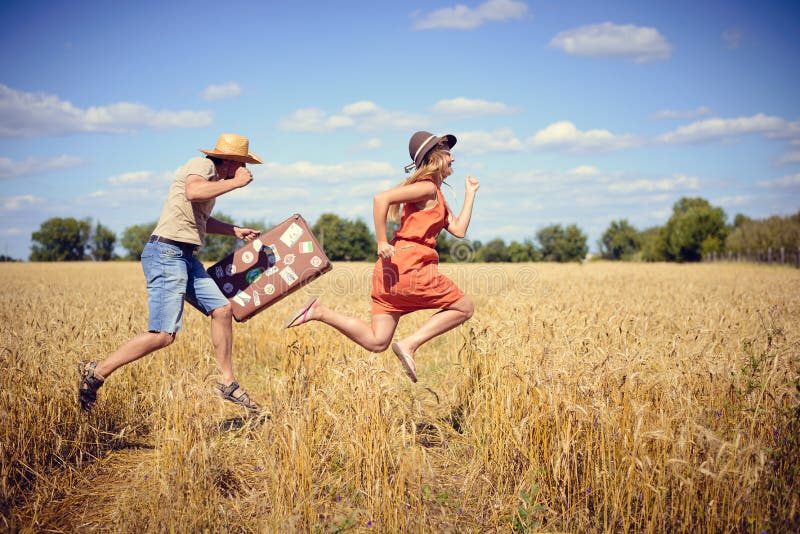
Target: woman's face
[[449, 159]]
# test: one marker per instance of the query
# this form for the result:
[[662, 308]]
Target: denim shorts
[[171, 279]]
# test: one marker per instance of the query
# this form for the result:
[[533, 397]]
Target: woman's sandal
[[409, 367], [226, 392], [300, 316], [91, 381]]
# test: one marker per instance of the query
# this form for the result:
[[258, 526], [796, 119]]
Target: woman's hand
[[471, 184], [385, 250]]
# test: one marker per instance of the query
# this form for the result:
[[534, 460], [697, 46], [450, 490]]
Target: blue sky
[[567, 111]]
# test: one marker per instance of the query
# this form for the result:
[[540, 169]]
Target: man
[[173, 274]]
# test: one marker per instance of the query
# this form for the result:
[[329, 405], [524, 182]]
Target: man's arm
[[215, 226], [199, 189]]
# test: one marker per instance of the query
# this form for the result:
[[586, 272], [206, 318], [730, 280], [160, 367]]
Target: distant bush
[[772, 233]]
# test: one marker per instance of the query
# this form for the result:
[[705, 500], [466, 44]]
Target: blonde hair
[[434, 165]]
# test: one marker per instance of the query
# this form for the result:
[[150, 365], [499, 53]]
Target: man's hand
[[245, 234], [242, 177], [385, 250]]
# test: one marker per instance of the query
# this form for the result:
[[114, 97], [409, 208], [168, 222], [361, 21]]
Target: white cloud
[[678, 181], [557, 136], [135, 177], [134, 192], [18, 202], [370, 188], [267, 193], [370, 144], [492, 232], [550, 180], [37, 114], [362, 115], [793, 155], [542, 179], [326, 173], [31, 166], [662, 213], [142, 177], [479, 142], [564, 135], [222, 92], [791, 180], [638, 43], [470, 107], [598, 198], [584, 170], [732, 201], [142, 199], [713, 129], [789, 157], [462, 17], [361, 108], [313, 120], [686, 114], [11, 232]]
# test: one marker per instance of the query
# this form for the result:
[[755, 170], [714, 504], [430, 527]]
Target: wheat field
[[579, 398]]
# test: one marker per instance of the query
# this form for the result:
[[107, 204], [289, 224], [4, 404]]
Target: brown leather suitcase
[[276, 264]]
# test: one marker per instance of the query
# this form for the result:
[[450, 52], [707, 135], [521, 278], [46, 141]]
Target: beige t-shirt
[[180, 219]]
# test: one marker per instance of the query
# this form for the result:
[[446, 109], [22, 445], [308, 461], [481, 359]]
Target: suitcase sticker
[[276, 264]]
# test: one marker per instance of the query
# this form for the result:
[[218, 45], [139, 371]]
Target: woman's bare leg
[[438, 324], [374, 337]]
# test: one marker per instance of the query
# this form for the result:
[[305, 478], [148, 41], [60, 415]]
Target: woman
[[406, 277]]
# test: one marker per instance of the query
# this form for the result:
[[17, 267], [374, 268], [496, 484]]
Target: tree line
[[694, 230], [68, 239]]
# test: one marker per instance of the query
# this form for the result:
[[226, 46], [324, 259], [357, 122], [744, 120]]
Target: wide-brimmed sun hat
[[233, 147], [423, 142]]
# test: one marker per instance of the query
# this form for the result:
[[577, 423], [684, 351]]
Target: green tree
[[101, 243], [774, 233], [653, 247], [562, 244], [620, 241], [61, 240], [344, 240], [256, 224], [694, 229], [4, 258], [362, 243], [134, 238], [444, 243], [454, 250], [329, 230], [217, 246], [493, 252], [522, 252], [740, 219]]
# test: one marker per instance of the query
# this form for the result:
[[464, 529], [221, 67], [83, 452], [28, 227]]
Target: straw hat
[[423, 142], [233, 147]]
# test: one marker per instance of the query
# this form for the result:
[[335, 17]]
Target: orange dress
[[410, 280]]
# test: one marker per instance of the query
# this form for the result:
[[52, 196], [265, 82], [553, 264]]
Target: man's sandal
[[91, 381], [226, 392]]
